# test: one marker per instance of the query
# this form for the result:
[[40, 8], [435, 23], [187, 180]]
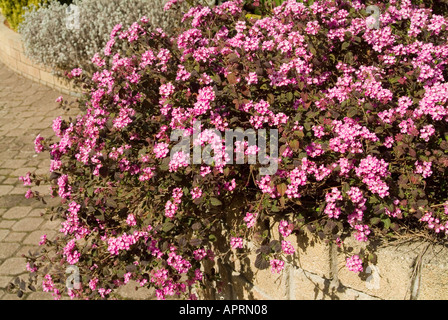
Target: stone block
[[433, 279], [390, 278], [15, 237], [308, 286], [40, 296], [21, 67], [4, 190], [244, 290], [128, 291], [312, 253], [266, 283], [27, 224], [17, 212], [34, 237], [13, 266], [22, 171], [47, 78], [8, 249]]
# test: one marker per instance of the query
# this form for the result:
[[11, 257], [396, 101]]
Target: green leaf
[[90, 191], [375, 220], [294, 144], [215, 202], [275, 245], [352, 112], [167, 226], [387, 223]]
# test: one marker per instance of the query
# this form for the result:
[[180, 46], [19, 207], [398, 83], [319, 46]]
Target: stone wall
[[12, 54], [413, 270]]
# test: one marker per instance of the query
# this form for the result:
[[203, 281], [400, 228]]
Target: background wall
[[413, 270], [12, 54]]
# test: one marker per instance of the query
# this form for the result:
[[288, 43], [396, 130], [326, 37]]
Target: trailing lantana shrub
[[361, 115]]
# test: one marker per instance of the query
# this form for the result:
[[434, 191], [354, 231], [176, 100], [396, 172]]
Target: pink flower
[[38, 147], [252, 78], [76, 72], [236, 242], [287, 247], [28, 267], [426, 132], [362, 232], [170, 209], [147, 174], [423, 168], [26, 179], [43, 239], [169, 4], [205, 171], [388, 142], [354, 263], [250, 219], [230, 186], [103, 292], [285, 228], [130, 220], [199, 254], [277, 265], [166, 90], [93, 283], [127, 277], [97, 60], [178, 160], [64, 188], [47, 283], [196, 193], [312, 27], [57, 126], [161, 150]]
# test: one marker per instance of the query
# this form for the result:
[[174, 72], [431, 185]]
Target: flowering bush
[[47, 40], [361, 116], [13, 10]]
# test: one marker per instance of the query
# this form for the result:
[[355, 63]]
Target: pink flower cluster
[[331, 198], [124, 242], [172, 206], [277, 265], [423, 168], [371, 170], [236, 242], [285, 228], [354, 263], [250, 219]]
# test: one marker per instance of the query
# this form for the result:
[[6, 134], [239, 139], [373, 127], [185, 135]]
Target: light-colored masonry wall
[[412, 270], [317, 270], [12, 54]]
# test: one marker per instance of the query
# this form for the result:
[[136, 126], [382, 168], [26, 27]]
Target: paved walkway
[[26, 110]]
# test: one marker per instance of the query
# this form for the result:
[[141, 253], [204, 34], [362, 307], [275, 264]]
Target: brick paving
[[26, 110]]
